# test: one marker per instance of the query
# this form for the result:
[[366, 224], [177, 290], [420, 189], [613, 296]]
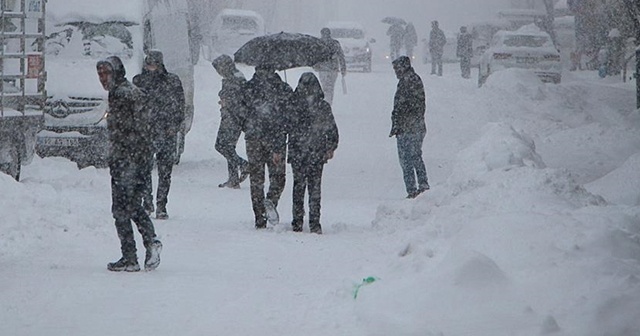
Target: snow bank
[[616, 187], [502, 249]]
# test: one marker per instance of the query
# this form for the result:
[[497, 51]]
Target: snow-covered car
[[528, 48], [231, 29], [81, 32], [355, 45]]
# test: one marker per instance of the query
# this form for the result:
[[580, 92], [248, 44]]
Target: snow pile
[[503, 248], [616, 187]]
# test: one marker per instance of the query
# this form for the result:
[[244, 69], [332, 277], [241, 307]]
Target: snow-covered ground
[[532, 226]]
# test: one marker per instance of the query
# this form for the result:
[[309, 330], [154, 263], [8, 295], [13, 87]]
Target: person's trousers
[[226, 141], [436, 62], [261, 155], [165, 154], [328, 83], [127, 186], [307, 177], [465, 67], [410, 155]]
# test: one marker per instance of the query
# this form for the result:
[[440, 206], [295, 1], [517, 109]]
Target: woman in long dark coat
[[312, 140]]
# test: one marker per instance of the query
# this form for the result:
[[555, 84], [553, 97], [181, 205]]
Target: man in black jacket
[[409, 127], [166, 103], [464, 51], [229, 130], [268, 102], [127, 125], [313, 138]]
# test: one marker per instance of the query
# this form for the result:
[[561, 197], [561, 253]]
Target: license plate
[[526, 60], [59, 142]]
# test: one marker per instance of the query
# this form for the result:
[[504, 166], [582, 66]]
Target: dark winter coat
[[128, 119], [337, 62], [268, 102], [396, 35], [465, 45], [409, 103], [166, 101], [410, 36], [314, 132], [437, 41], [231, 95]]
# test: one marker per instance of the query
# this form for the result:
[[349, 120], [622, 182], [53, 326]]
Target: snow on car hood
[[352, 43], [96, 10]]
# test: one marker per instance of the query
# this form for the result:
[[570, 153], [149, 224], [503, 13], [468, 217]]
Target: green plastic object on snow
[[365, 281]]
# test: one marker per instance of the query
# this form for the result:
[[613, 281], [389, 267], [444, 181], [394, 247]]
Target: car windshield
[[525, 41], [81, 39], [347, 33], [239, 23]]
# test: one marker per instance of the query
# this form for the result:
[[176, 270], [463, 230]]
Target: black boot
[[124, 265]]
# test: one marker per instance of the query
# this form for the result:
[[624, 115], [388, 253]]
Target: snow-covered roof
[[239, 12], [344, 25], [95, 10]]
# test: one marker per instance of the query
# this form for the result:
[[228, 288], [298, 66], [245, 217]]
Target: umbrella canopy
[[284, 51], [394, 20]]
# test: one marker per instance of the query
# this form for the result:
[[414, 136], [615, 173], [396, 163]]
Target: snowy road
[[220, 277]]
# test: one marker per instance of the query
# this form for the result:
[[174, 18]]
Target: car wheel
[[12, 168], [367, 67]]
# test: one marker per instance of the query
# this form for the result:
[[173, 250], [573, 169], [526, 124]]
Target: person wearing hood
[[312, 141], [229, 131], [268, 103], [409, 127], [328, 71], [130, 140], [166, 103]]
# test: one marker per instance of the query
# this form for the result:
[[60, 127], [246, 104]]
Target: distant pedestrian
[[328, 71], [166, 102], [464, 51], [410, 39], [437, 41], [312, 141], [409, 127], [268, 102], [230, 129], [130, 140], [396, 39]]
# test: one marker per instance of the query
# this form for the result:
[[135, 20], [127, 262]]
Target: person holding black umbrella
[[269, 102]]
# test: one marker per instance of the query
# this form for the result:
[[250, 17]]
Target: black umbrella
[[394, 20], [283, 51]]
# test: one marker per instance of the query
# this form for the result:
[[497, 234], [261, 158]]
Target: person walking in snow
[[328, 71], [229, 131], [410, 39], [464, 51], [396, 39], [129, 136], [437, 41], [269, 103], [166, 103], [312, 140], [409, 127]]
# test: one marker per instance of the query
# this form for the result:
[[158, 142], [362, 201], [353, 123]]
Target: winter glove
[[328, 156]]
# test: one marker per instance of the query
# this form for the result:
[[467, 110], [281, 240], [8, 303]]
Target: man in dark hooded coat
[[409, 127], [437, 41], [312, 140], [128, 130], [268, 102], [166, 104], [230, 129]]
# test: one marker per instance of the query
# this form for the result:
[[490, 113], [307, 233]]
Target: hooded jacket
[[231, 92], [166, 101], [409, 105], [314, 132], [128, 118]]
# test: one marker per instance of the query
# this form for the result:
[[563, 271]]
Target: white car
[[525, 48], [356, 48], [231, 29]]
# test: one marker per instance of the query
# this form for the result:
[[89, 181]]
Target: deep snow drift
[[531, 227]]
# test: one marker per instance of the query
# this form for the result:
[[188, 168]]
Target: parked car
[[526, 48], [355, 45], [80, 35], [231, 29]]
